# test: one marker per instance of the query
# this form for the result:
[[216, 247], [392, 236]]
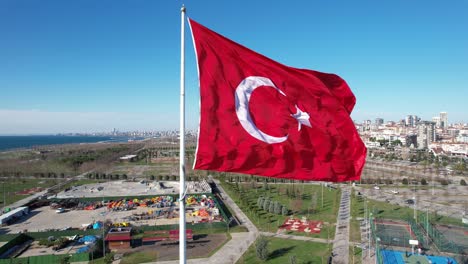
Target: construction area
[[132, 188], [122, 204]]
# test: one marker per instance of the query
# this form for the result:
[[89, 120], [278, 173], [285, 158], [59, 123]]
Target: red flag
[[260, 117]]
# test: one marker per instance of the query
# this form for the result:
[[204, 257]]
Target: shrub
[[261, 248]]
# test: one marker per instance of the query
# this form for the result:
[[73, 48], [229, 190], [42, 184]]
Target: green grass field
[[355, 255], [139, 257], [11, 186], [281, 250], [308, 203], [357, 211]]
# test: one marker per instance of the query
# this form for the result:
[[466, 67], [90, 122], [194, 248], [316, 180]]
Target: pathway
[[341, 243]]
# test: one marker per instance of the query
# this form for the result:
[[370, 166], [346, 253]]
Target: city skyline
[[69, 67]]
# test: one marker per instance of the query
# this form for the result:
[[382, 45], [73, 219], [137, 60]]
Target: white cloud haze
[[44, 122]]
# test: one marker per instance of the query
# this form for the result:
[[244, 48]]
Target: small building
[[128, 158], [119, 238], [13, 215]]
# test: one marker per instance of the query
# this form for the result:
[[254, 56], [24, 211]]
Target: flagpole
[[182, 236]]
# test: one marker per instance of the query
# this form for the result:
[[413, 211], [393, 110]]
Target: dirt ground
[[36, 250], [200, 247]]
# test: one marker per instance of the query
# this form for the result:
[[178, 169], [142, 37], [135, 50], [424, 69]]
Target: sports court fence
[[442, 241]]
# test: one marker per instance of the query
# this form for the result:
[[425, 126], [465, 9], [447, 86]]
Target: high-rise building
[[379, 121], [412, 120], [436, 120], [367, 124], [426, 134], [409, 120], [443, 119]]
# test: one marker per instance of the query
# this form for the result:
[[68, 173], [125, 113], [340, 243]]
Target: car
[[60, 210], [394, 191], [409, 201], [377, 187]]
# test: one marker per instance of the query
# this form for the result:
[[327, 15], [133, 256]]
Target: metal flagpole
[[182, 236]]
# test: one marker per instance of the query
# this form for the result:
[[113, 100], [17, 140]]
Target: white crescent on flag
[[243, 92]]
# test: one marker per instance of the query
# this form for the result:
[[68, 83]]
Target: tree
[[462, 182], [271, 208], [284, 210], [423, 182], [109, 258], [266, 204], [313, 202], [296, 205], [278, 208], [152, 177], [405, 181], [261, 248], [260, 202], [443, 182], [292, 259], [265, 185]]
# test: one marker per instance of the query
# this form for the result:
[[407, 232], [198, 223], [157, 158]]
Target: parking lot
[[451, 200]]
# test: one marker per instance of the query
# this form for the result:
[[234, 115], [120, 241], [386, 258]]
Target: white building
[[426, 134], [443, 116], [436, 120]]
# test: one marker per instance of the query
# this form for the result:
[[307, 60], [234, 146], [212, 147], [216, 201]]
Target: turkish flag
[[260, 117]]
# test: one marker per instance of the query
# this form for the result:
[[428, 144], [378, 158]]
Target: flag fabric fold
[[260, 117]]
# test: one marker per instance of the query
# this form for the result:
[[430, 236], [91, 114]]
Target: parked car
[[394, 191], [409, 201], [377, 187]]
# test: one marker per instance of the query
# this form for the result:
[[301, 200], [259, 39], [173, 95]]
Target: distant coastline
[[8, 143]]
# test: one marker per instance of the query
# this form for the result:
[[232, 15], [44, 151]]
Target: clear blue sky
[[77, 66]]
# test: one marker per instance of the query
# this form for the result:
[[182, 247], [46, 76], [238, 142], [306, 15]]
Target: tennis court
[[456, 235], [398, 257], [394, 233]]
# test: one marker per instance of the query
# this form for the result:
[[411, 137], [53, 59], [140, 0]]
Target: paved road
[[341, 242], [235, 248]]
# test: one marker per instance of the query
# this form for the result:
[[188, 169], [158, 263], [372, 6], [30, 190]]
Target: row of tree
[[273, 207]]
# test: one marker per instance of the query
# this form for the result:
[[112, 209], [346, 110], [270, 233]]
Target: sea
[[17, 142]]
